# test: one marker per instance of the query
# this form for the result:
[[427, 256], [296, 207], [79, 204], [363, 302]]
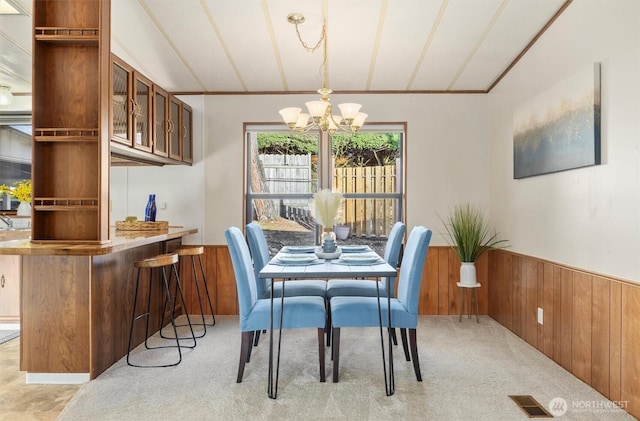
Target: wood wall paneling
[[548, 317], [615, 341], [566, 315], [581, 324], [531, 301], [443, 281], [600, 319], [630, 357], [429, 287]]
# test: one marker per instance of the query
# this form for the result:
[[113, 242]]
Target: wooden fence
[[369, 217]]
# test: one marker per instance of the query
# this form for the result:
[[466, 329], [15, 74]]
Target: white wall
[[587, 218], [447, 151]]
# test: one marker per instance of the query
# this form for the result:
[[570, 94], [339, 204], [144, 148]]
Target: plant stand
[[474, 299]]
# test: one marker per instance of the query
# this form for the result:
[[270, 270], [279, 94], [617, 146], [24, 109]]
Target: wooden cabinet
[[145, 117], [160, 121], [180, 131], [175, 141], [71, 67], [187, 135], [10, 289], [131, 106]]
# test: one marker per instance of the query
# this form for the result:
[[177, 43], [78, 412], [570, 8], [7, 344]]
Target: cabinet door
[[10, 288], [187, 133], [142, 96], [160, 121], [122, 102], [175, 150]]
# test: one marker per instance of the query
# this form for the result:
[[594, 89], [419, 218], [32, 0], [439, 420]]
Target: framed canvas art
[[559, 129]]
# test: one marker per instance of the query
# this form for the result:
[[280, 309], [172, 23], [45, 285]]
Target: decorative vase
[[24, 209], [468, 273], [342, 231], [328, 241], [150, 211]]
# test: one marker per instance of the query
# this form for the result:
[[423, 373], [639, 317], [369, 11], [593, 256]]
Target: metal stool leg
[[147, 315]]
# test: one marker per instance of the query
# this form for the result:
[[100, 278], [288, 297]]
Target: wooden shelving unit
[[70, 119]]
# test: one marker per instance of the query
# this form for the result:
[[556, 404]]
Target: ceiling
[[247, 46]]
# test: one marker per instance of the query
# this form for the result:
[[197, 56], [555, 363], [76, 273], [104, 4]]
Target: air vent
[[530, 406]]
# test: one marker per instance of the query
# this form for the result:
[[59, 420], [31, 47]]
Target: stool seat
[[157, 261], [190, 250]]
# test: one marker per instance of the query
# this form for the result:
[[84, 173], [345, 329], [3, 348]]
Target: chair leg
[[244, 351], [328, 325], [414, 354], [393, 336], [405, 345], [256, 338], [335, 333], [321, 352], [251, 339]]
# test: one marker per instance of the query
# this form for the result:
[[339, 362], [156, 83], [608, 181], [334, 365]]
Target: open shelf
[[66, 135], [57, 34]]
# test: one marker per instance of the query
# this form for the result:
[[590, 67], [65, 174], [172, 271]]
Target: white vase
[[24, 209], [468, 273]]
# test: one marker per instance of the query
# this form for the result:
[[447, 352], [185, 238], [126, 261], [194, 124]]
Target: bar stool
[[193, 252], [162, 262]]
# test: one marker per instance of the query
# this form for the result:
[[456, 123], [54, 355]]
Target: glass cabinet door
[[160, 121], [187, 142], [175, 151], [142, 113], [121, 103]]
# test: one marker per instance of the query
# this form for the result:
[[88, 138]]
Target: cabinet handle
[[133, 107], [2, 281]]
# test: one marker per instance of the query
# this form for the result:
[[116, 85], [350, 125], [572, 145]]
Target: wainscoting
[[591, 323]]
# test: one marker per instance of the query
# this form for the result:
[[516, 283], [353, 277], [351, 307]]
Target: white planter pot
[[468, 273], [24, 209]]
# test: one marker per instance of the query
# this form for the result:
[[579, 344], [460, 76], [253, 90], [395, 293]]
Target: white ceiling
[[247, 46]]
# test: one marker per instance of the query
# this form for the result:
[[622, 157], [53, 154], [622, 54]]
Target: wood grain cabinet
[[145, 117], [71, 66], [161, 122], [131, 106], [10, 289]]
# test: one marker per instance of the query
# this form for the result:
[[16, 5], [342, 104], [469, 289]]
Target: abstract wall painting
[[559, 129]]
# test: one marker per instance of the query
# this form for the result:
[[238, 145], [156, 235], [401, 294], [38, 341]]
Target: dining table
[[307, 262]]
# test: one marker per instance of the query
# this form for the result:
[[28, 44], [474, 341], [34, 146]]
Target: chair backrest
[[260, 254], [413, 260], [392, 252], [243, 270]]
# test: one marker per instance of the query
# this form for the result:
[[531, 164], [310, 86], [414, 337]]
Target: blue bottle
[[150, 211]]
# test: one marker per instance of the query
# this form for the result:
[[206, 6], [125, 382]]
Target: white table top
[[326, 269]]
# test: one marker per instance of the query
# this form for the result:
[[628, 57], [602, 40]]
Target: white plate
[[361, 259], [299, 249], [354, 249], [296, 259]]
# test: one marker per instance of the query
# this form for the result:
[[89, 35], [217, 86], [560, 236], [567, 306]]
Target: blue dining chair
[[342, 287], [260, 255], [255, 311], [355, 287], [355, 311]]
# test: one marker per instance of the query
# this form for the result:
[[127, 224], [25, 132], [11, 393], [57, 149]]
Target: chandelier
[[320, 113]]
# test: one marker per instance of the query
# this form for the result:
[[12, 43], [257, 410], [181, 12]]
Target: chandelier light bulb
[[6, 97]]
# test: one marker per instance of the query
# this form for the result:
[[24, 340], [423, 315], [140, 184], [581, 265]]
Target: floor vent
[[530, 406]]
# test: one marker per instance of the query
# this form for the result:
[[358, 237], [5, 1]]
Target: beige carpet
[[468, 372]]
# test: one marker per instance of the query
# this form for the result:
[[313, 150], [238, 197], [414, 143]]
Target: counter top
[[120, 240]]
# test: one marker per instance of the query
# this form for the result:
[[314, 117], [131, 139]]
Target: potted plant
[[21, 190], [325, 208], [469, 235]]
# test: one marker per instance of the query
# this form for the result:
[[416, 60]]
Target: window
[[284, 169], [15, 155]]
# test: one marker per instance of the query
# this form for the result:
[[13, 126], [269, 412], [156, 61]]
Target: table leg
[[389, 381], [272, 386]]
